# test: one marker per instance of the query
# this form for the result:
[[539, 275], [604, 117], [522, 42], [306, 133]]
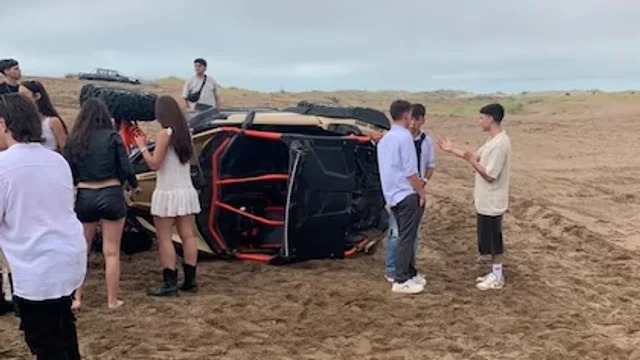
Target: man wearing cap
[[491, 162], [12, 74], [201, 92]]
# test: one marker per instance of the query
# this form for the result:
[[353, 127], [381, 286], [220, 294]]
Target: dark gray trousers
[[408, 214]]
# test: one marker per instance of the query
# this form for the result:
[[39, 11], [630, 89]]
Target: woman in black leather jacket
[[100, 168]]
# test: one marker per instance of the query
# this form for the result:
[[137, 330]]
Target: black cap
[[7, 64]]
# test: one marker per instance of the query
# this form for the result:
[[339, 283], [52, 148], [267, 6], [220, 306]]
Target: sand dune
[[572, 264]]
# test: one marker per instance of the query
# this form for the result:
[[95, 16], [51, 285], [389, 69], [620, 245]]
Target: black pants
[[408, 214], [490, 235], [49, 328]]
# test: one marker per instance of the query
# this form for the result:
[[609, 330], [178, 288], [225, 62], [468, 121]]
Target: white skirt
[[172, 203]]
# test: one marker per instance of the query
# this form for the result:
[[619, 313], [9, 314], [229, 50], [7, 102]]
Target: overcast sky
[[481, 46]]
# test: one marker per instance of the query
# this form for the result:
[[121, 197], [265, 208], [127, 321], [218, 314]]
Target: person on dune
[[54, 130], [404, 194], [491, 162], [175, 200], [101, 168], [425, 151], [10, 69], [40, 234]]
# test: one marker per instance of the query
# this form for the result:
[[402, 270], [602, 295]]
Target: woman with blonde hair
[[175, 200]]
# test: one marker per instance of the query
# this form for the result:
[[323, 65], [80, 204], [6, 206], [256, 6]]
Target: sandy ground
[[572, 267]]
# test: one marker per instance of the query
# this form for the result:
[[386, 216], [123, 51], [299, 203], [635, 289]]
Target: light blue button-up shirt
[[397, 161]]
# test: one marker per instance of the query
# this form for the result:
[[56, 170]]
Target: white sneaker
[[407, 287], [419, 279], [491, 282], [389, 278], [482, 278]]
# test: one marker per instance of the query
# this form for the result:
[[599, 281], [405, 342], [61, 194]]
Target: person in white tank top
[[54, 130], [175, 200]]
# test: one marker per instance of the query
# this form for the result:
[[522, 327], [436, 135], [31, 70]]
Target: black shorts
[[49, 328], [106, 203], [490, 235]]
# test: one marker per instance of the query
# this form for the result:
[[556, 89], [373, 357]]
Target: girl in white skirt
[[175, 199]]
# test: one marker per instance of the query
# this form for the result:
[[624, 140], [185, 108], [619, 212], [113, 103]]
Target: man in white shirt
[[40, 234], [491, 162], [403, 193], [201, 91], [425, 152]]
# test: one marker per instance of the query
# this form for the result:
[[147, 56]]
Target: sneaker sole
[[489, 288], [408, 291]]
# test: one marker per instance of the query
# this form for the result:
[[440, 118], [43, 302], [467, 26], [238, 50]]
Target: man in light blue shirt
[[425, 152], [404, 194]]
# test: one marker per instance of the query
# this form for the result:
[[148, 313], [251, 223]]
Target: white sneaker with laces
[[407, 287], [389, 278], [491, 282]]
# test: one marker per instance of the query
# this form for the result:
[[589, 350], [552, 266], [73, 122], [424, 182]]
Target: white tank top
[[47, 134]]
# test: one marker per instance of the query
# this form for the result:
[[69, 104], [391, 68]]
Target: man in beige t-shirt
[[201, 91], [492, 162]]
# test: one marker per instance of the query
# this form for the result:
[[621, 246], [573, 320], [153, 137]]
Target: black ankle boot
[[189, 278], [169, 286]]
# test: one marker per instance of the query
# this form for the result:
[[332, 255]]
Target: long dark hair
[[169, 115], [94, 115], [45, 107]]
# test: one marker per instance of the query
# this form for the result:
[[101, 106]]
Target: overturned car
[[283, 185]]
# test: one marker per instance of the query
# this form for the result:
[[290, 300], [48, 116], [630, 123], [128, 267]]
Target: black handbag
[[194, 97]]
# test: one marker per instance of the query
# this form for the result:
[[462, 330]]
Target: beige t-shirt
[[492, 198], [207, 95]]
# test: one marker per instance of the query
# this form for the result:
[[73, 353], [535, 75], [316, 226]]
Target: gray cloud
[[497, 45]]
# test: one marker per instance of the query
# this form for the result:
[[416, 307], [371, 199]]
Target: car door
[[322, 178]]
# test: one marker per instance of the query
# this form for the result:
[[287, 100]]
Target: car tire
[[123, 104]]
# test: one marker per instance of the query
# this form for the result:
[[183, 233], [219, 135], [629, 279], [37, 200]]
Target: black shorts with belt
[[490, 234], [106, 203]]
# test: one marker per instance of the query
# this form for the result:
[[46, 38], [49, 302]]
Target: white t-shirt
[[492, 198], [40, 235], [207, 96]]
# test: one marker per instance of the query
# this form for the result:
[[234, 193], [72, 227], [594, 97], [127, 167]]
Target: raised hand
[[141, 140], [445, 145]]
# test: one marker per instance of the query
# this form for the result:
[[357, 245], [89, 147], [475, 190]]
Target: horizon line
[[151, 81]]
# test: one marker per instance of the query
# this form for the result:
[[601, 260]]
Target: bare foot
[[75, 305], [117, 304]]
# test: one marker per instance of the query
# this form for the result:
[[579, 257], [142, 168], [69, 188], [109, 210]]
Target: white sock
[[497, 270]]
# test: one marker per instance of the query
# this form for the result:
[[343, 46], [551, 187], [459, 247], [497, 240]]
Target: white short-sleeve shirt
[[492, 198], [40, 235], [207, 96]]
